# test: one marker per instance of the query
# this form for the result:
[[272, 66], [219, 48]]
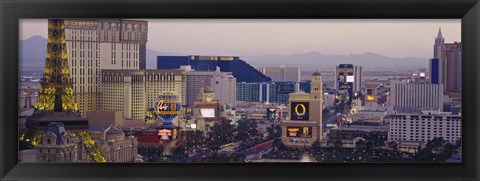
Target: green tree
[[247, 129], [222, 133], [360, 145], [194, 139], [275, 131], [393, 145], [316, 147]]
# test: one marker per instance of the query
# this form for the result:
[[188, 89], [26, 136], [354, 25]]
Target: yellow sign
[[226, 58], [370, 98], [212, 58], [345, 69], [304, 109]]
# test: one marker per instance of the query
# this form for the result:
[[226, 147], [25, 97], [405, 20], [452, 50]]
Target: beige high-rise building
[[132, 92], [304, 123], [95, 44], [282, 73]]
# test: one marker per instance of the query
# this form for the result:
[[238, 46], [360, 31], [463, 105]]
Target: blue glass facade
[[305, 86], [273, 92], [240, 69], [248, 92], [434, 71]]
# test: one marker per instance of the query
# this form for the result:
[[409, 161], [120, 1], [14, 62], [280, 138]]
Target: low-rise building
[[114, 145], [58, 145]]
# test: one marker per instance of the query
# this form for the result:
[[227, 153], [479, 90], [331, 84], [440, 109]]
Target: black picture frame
[[11, 11]]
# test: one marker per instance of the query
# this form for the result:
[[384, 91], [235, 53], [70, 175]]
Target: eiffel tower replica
[[56, 101]]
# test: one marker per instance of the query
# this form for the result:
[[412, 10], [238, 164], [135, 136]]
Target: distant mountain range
[[32, 54], [32, 51], [327, 62]]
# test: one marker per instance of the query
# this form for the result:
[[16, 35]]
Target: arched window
[[48, 141]]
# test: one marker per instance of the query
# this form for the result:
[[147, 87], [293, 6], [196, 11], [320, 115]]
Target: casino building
[[206, 109], [304, 125], [240, 69], [133, 92], [96, 44]]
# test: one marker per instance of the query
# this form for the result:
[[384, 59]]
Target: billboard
[[207, 112], [370, 95], [302, 132], [299, 111], [145, 136], [271, 114], [213, 58], [285, 88], [350, 78], [166, 133], [345, 76]]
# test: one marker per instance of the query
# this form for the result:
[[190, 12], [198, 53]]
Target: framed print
[[320, 90]]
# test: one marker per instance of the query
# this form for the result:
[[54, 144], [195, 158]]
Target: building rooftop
[[384, 128]]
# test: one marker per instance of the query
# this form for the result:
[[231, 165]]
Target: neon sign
[[303, 132], [299, 111], [165, 133]]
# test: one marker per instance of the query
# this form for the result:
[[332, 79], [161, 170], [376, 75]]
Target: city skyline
[[96, 100], [392, 38]]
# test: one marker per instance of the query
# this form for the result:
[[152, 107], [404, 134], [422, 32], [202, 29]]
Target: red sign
[[146, 136], [166, 133]]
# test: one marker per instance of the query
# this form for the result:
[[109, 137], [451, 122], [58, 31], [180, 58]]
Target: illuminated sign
[[226, 58], [208, 113], [303, 132], [299, 111], [271, 114], [341, 79], [345, 79], [213, 58], [346, 70], [370, 95], [167, 106], [370, 98], [166, 133], [345, 76], [350, 78]]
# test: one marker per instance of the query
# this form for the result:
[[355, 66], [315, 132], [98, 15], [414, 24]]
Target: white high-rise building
[[196, 79], [357, 75], [413, 97], [425, 126], [133, 92], [95, 44], [282, 73], [225, 87]]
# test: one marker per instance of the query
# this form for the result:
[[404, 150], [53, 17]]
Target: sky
[[241, 37]]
